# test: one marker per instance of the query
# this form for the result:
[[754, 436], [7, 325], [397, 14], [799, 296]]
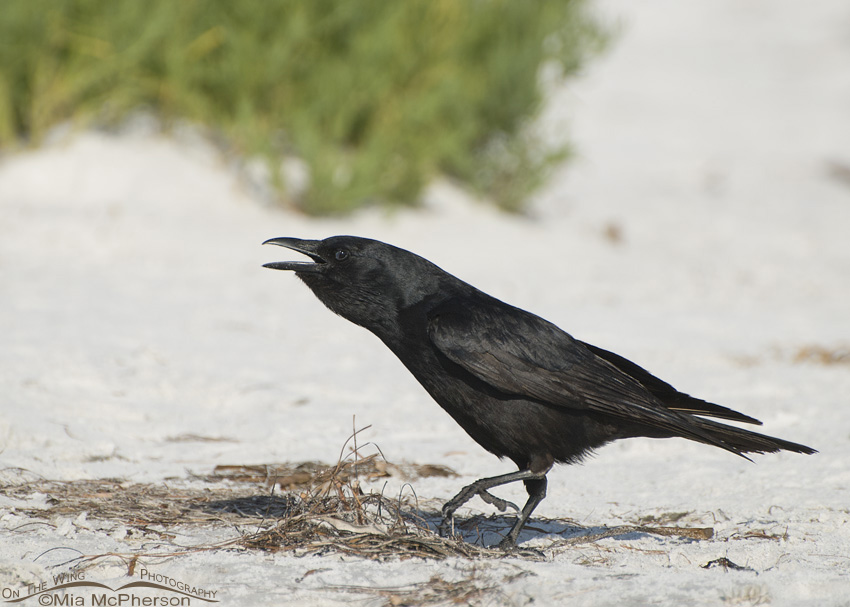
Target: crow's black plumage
[[520, 386]]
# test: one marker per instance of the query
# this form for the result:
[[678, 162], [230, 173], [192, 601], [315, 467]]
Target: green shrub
[[376, 96]]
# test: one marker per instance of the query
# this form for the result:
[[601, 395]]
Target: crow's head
[[366, 281]]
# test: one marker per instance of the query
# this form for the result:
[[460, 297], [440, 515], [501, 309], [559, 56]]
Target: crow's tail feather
[[742, 441]]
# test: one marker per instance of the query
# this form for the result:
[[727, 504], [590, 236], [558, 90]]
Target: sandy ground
[[701, 231]]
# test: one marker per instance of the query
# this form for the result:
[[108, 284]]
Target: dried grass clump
[[332, 514]]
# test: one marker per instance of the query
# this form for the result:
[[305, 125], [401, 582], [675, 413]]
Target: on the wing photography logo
[[74, 590]]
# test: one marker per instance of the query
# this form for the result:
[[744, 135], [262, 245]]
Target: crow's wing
[[523, 355], [669, 396]]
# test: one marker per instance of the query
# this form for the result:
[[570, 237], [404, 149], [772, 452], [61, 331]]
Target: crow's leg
[[536, 492], [481, 487]]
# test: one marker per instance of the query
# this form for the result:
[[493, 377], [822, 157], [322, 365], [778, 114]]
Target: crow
[[521, 387]]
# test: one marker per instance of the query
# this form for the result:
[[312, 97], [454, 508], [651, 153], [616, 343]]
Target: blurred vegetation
[[376, 97]]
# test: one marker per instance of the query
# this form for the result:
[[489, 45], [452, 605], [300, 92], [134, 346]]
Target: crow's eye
[[341, 255]]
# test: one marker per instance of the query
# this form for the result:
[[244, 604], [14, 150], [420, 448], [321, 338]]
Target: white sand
[[133, 310]]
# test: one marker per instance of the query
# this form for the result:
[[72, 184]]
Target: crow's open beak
[[307, 247]]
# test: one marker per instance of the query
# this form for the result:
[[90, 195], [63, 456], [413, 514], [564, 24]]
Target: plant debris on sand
[[318, 509], [323, 508]]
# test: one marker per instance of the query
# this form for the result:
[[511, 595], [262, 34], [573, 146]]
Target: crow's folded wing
[[667, 394], [523, 355]]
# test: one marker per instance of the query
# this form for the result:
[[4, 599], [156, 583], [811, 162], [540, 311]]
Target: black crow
[[521, 387]]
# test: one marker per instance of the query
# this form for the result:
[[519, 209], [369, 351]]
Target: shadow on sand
[[479, 530]]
